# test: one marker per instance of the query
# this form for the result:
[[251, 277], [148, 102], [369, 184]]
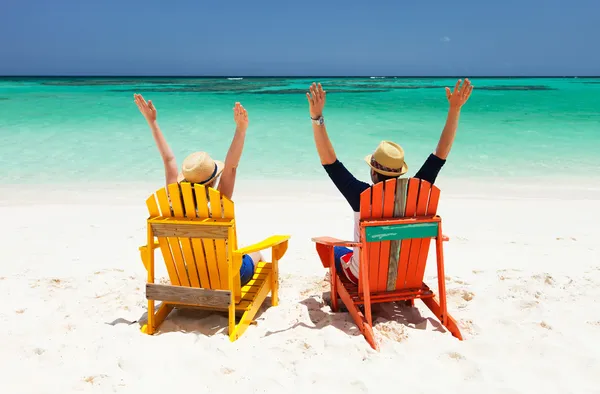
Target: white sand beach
[[523, 281]]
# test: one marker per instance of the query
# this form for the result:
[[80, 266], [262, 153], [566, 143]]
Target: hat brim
[[220, 168], [403, 171]]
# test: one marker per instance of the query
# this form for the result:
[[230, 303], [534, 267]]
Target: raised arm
[[456, 99], [316, 103], [149, 112], [232, 160]]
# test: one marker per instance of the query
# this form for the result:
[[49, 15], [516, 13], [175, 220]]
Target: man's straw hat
[[388, 159], [199, 167]]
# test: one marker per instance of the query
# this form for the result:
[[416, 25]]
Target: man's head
[[387, 162], [200, 168]]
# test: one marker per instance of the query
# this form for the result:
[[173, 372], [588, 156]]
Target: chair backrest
[[195, 234], [397, 254]]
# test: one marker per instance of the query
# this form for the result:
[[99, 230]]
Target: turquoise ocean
[[86, 130]]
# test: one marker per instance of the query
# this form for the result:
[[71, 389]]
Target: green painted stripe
[[401, 231]]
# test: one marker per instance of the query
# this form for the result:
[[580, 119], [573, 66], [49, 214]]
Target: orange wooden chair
[[397, 222]]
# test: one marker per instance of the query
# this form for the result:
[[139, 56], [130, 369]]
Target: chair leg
[[275, 283], [434, 305], [359, 318], [156, 319], [333, 287], [248, 316]]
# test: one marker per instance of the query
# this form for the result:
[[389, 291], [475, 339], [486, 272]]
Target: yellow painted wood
[[265, 244], [248, 316], [201, 202], [229, 213], [228, 208], [186, 245], [197, 248], [231, 317], [150, 278], [163, 202], [208, 245], [174, 241], [152, 206], [220, 247]]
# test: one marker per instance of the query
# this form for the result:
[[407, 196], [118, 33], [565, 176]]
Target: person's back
[[386, 162]]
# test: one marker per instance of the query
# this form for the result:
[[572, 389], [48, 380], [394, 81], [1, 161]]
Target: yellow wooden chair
[[197, 238]]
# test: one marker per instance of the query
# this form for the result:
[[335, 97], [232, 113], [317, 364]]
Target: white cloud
[[445, 39]]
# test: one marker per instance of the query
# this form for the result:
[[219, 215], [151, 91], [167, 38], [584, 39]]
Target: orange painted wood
[[389, 195], [412, 280], [365, 204], [365, 213], [434, 198], [373, 248], [357, 315], [405, 246]]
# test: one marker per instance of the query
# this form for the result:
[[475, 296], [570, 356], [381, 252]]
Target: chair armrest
[[264, 244], [330, 241], [154, 246]]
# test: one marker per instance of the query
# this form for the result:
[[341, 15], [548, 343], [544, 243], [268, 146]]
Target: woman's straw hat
[[388, 159], [199, 167]]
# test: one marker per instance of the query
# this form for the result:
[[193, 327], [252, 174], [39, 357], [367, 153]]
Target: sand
[[523, 281]]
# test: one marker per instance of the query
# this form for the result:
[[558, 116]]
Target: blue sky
[[286, 37]]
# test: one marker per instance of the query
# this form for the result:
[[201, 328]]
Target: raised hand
[[240, 116], [316, 100], [147, 109], [460, 95]]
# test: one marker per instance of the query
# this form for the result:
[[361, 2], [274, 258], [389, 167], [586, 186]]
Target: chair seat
[[385, 296], [261, 277]]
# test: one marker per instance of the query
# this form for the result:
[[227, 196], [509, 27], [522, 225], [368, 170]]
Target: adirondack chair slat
[[198, 263], [165, 208], [186, 246], [174, 241], [412, 280], [208, 244], [432, 205], [184, 227], [228, 213], [195, 261], [220, 247], [399, 207], [405, 246], [365, 212], [373, 249], [389, 195]]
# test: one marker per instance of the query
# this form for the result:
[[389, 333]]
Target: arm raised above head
[[316, 103], [456, 99], [234, 154], [149, 112]]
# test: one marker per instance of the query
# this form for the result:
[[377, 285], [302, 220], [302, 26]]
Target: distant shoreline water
[[64, 130]]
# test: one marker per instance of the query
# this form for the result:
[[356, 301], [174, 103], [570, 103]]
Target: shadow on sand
[[193, 320], [320, 314]]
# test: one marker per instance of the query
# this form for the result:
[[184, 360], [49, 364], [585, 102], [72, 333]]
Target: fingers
[[321, 92], [448, 93], [310, 100], [465, 88], [457, 86], [468, 94], [151, 105]]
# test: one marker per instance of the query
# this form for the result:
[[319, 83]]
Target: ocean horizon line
[[57, 76]]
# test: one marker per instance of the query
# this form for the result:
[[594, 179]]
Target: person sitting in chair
[[386, 162], [200, 168]]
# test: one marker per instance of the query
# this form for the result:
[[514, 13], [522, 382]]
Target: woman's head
[[200, 168]]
